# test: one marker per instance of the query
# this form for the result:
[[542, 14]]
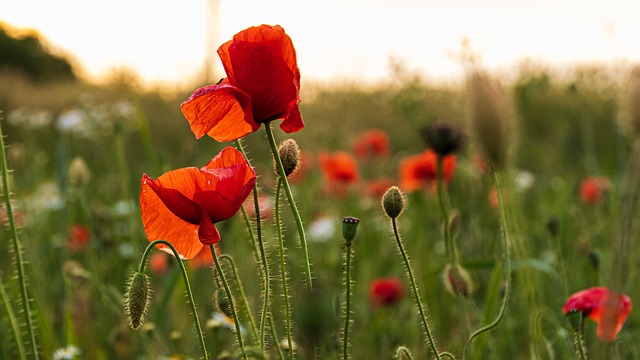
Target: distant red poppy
[[376, 188], [592, 189], [419, 170], [182, 205], [262, 84], [607, 308], [386, 291], [372, 143], [79, 237], [340, 170], [159, 262]]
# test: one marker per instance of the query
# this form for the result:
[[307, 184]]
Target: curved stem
[[292, 202], [283, 269], [242, 294], [414, 287], [265, 265], [227, 289], [143, 263], [347, 310], [403, 351], [507, 245], [17, 251]]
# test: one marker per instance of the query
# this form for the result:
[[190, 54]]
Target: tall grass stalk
[[283, 269], [292, 202], [17, 250], [194, 311], [507, 251], [266, 280]]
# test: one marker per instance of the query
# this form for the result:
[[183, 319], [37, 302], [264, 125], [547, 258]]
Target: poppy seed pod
[[289, 153], [349, 228], [489, 118], [443, 138], [136, 299], [393, 202]]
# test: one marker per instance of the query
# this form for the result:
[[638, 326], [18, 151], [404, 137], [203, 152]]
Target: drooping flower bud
[[349, 228], [393, 202], [457, 282], [443, 138], [289, 153], [137, 299]]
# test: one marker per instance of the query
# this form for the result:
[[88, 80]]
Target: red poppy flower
[[419, 170], [158, 262], [262, 84], [372, 143], [182, 205], [386, 291], [376, 188], [339, 167], [78, 239], [592, 189], [607, 308]]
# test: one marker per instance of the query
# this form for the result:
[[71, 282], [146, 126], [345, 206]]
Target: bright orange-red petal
[[614, 312], [160, 223], [221, 111], [262, 62], [293, 121]]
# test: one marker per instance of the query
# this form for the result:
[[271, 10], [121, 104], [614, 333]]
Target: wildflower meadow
[[263, 217]]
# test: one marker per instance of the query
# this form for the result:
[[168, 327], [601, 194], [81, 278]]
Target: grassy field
[[77, 153]]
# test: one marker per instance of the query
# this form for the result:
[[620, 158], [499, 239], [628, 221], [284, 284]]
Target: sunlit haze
[[346, 40]]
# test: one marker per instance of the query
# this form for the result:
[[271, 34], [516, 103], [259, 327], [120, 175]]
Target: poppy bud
[[79, 174], [222, 301], [349, 228], [393, 202], [575, 318], [289, 153], [136, 299], [457, 282], [552, 225], [443, 138], [594, 259]]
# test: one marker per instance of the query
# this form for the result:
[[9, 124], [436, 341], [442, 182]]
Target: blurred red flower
[[372, 143], [607, 308], [340, 170], [262, 84], [79, 237], [158, 262], [204, 258], [386, 291], [182, 205], [421, 169], [592, 189], [376, 188]]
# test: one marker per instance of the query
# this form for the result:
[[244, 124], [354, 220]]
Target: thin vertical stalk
[[445, 215], [292, 202], [579, 342], [227, 289], [242, 294], [283, 269], [506, 245], [414, 288], [13, 322], [347, 310], [17, 249], [143, 263], [265, 265]]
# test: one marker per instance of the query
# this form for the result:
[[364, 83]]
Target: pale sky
[[335, 39]]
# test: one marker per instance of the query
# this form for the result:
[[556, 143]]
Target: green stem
[[242, 294], [274, 335], [292, 202], [507, 245], [283, 270], [17, 249], [580, 342], [445, 215], [265, 265], [347, 310], [403, 351], [143, 263], [225, 283], [414, 287], [13, 322]]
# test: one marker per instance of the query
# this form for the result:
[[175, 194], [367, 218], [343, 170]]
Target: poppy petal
[[160, 223], [207, 232], [221, 111], [293, 121], [614, 312]]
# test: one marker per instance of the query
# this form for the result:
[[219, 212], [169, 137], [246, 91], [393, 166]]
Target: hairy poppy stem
[[17, 251], [403, 352], [507, 246], [143, 263], [227, 289], [283, 270], [292, 202], [347, 310], [445, 216], [265, 265], [245, 303], [414, 288], [13, 322], [579, 342]]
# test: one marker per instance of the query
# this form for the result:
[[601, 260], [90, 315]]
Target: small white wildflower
[[524, 180], [322, 228], [66, 353]]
